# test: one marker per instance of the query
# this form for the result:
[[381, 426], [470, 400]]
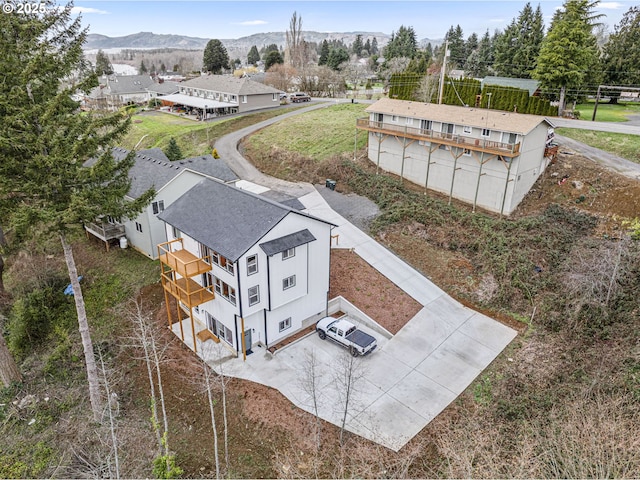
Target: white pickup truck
[[346, 334]]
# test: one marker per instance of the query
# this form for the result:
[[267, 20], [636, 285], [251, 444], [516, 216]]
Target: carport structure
[[206, 106]]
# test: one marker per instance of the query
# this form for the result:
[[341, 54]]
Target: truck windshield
[[350, 331]]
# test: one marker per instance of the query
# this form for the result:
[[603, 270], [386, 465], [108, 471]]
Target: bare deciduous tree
[[348, 374], [294, 51], [427, 88], [310, 384]]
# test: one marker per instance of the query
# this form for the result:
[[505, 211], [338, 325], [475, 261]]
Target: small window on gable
[[288, 253], [175, 232], [252, 264]]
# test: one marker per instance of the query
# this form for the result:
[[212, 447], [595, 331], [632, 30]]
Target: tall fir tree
[[143, 68], [173, 151], [215, 58], [357, 46], [621, 55], [456, 46], [403, 43], [324, 52], [374, 46], [253, 56], [103, 64], [45, 188], [568, 57]]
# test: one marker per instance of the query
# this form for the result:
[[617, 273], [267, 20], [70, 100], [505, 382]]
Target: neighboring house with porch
[[115, 91], [247, 270], [487, 158], [152, 168], [224, 94]]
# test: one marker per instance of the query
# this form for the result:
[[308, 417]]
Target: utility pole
[[442, 71]]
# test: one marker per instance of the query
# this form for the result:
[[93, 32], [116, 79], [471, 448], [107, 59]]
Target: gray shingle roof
[[152, 168], [164, 88], [229, 84], [224, 218], [292, 240]]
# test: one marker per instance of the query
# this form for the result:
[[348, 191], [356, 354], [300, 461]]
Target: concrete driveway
[[410, 378]]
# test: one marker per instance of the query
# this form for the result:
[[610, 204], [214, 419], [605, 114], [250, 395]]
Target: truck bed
[[360, 338]]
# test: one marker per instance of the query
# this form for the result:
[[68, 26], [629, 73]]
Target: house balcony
[[105, 231], [441, 138], [178, 267]]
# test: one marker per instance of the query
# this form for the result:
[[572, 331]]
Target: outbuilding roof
[[224, 218], [470, 116], [229, 84], [523, 83], [152, 168]]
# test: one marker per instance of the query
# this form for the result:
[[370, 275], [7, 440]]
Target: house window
[[224, 290], [486, 132], [252, 264], [244, 98], [289, 282], [254, 295], [139, 227], [222, 262], [175, 232], [425, 125], [409, 121], [205, 253], [219, 329], [158, 207], [467, 130], [284, 324], [394, 118], [288, 253], [466, 152]]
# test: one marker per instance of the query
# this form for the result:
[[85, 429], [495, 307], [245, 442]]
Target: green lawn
[[153, 129], [608, 112], [319, 134], [625, 146]]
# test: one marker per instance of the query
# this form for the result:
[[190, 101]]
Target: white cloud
[[77, 10], [250, 23], [610, 5]]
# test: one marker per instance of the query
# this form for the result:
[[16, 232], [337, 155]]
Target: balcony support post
[[506, 184], [453, 175], [193, 329], [475, 198]]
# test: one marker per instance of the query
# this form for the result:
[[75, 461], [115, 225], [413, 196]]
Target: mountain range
[[149, 40]]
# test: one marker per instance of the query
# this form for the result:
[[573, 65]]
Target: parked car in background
[[299, 97]]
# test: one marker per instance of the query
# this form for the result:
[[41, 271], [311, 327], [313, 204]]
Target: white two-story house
[[246, 270], [170, 180], [487, 158]]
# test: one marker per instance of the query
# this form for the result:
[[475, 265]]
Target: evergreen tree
[[153, 69], [456, 46], [253, 56], [337, 56], [45, 189], [215, 57], [357, 46], [173, 151], [143, 68], [272, 57], [103, 65], [367, 46], [479, 61], [324, 53], [621, 56], [402, 44], [163, 68], [569, 53], [518, 47], [374, 46], [470, 46]]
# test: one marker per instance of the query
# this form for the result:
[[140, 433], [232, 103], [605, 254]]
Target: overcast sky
[[235, 19]]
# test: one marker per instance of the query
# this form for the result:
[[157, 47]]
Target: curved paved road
[[227, 148]]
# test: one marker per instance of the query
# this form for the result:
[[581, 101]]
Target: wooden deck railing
[[462, 141]]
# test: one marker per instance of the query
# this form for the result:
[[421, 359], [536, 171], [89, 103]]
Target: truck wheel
[[353, 352], [322, 335]]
